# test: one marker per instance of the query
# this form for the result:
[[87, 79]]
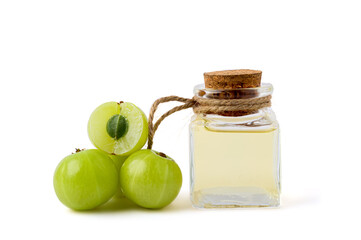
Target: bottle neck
[[232, 102]]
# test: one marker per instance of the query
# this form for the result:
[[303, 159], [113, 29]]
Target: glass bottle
[[234, 157]]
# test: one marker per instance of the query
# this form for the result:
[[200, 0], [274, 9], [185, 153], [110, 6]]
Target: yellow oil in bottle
[[234, 168]]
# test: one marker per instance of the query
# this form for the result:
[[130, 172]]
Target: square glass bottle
[[234, 154]]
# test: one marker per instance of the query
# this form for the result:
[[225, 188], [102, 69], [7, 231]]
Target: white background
[[59, 60]]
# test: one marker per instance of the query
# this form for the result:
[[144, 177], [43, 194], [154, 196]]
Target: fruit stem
[[77, 150], [162, 154]]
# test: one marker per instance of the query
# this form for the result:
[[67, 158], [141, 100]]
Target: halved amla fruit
[[118, 128]]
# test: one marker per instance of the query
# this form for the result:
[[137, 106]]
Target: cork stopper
[[233, 79]]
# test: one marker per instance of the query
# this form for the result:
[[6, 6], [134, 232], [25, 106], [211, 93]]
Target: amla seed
[[117, 126]]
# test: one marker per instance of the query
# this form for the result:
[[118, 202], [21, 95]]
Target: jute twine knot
[[205, 106]]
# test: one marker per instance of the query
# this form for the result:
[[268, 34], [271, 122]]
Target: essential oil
[[235, 158]]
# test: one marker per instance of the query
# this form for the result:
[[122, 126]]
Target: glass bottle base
[[234, 197]]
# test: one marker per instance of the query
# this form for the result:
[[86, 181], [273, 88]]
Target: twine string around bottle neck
[[204, 106]]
